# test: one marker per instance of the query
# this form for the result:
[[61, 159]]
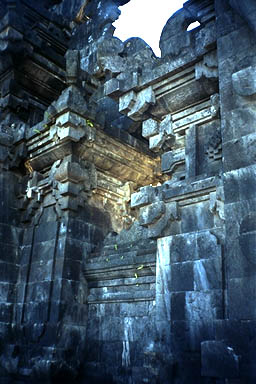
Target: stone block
[[36, 312], [239, 333], [112, 328], [135, 105], [174, 39], [246, 10], [144, 100], [73, 314], [111, 352], [188, 335], [20, 291], [68, 203], [239, 122], [239, 153], [68, 268], [113, 65], [23, 273], [42, 252], [151, 213], [163, 299], [145, 196], [94, 326], [113, 87], [94, 350], [27, 236], [193, 246], [126, 102], [9, 253], [239, 185], [171, 159], [208, 245], [76, 249], [150, 128], [69, 189], [7, 292], [8, 272], [41, 270], [178, 303], [180, 336], [241, 298], [182, 277], [156, 142], [39, 292], [10, 234], [196, 218], [219, 360], [205, 38], [135, 309], [242, 263], [227, 20], [203, 306], [166, 126], [46, 231], [71, 99], [237, 38], [78, 230], [207, 274], [6, 312], [170, 218], [72, 59], [71, 133], [160, 136], [34, 332], [4, 152]]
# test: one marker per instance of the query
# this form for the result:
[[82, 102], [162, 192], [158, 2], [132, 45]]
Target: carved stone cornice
[[78, 162]]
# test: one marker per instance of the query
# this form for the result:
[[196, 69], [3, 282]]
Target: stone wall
[[127, 222]]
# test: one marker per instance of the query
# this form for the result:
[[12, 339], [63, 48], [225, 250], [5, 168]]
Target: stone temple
[[128, 196]]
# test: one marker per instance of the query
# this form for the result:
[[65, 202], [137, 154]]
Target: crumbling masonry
[[128, 196]]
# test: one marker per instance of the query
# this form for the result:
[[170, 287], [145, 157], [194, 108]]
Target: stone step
[[134, 261], [112, 255], [123, 248], [130, 296], [122, 282], [121, 265], [120, 289], [121, 259]]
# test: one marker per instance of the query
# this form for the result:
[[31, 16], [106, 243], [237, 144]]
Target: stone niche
[[127, 224]]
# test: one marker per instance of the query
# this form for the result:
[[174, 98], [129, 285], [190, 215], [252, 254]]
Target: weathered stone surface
[[175, 40], [150, 213], [244, 82], [247, 10], [136, 104], [219, 360], [150, 128], [127, 186], [145, 196]]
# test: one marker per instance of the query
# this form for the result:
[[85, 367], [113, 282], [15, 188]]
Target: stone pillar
[[10, 237], [61, 228], [236, 60]]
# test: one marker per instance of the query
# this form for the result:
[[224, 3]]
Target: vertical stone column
[[236, 56], [51, 310], [61, 229], [163, 308], [10, 237]]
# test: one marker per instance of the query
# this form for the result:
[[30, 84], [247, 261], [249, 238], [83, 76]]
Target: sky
[[145, 19]]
